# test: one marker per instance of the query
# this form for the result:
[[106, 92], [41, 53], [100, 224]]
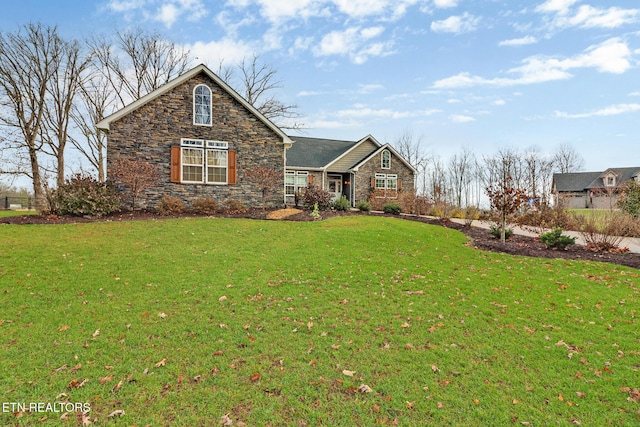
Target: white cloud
[[456, 24], [360, 8], [278, 11], [355, 43], [164, 11], [560, 6], [384, 113], [586, 16], [443, 4], [213, 53], [460, 118], [611, 56], [499, 102], [612, 110], [519, 42]]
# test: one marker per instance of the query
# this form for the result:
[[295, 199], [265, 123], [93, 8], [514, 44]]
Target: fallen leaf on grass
[[75, 368], [116, 413], [348, 373], [222, 298], [116, 387], [96, 333], [405, 325], [255, 377], [83, 419], [162, 315], [106, 379], [61, 368], [77, 384], [365, 389], [434, 368], [161, 363], [63, 328], [226, 420]]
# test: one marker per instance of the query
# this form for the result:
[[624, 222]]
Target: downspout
[[353, 189], [284, 176]]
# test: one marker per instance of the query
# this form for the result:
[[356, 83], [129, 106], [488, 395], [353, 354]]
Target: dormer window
[[202, 105], [610, 181], [386, 160]]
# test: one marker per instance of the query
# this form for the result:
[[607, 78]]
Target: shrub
[[392, 208], [136, 175], [204, 206], [363, 206], [83, 195], [546, 217], [236, 206], [555, 239], [495, 232], [629, 200], [342, 204], [605, 233], [471, 213], [315, 194], [170, 205]]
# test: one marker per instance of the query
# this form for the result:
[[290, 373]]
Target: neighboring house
[[204, 138], [350, 168], [597, 190]]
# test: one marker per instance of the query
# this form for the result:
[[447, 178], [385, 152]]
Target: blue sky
[[476, 74]]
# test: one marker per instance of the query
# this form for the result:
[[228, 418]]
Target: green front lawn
[[5, 213], [182, 322]]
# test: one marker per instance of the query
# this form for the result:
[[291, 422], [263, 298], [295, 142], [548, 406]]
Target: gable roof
[[316, 153], [323, 153], [105, 123], [581, 181], [393, 151]]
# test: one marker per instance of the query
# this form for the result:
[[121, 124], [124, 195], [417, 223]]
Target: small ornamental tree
[[506, 200], [136, 175], [266, 178], [629, 200]]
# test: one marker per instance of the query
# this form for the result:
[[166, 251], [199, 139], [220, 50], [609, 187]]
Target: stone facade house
[[593, 190], [206, 140], [351, 168]]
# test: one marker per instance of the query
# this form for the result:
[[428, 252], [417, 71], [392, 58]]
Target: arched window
[[386, 160], [202, 105]]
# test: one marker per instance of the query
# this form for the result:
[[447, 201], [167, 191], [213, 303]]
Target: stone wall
[[372, 167], [150, 131]]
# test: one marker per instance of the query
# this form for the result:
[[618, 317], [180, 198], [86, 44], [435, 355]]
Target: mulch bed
[[479, 238]]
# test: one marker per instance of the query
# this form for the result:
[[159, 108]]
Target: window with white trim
[[386, 181], [295, 182], [202, 105], [386, 160], [204, 161]]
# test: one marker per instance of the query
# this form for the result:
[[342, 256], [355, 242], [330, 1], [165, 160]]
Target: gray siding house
[[205, 139], [595, 190]]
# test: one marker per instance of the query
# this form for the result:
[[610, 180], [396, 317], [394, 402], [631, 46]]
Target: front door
[[335, 186]]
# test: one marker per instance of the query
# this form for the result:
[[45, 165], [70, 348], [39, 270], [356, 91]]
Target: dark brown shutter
[[310, 180], [373, 182], [399, 185], [175, 164], [232, 169]]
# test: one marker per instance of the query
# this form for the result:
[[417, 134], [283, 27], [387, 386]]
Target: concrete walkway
[[632, 243]]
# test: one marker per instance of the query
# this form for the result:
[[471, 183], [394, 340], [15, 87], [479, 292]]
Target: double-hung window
[[387, 182], [202, 105], [204, 161]]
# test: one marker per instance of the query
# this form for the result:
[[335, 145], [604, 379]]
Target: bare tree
[[505, 195], [438, 190], [65, 84], [258, 83], [461, 175], [566, 159], [538, 169], [135, 174], [95, 101], [28, 59], [137, 63], [266, 178], [414, 152]]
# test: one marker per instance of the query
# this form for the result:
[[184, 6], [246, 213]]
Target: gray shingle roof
[[580, 181], [315, 152]]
